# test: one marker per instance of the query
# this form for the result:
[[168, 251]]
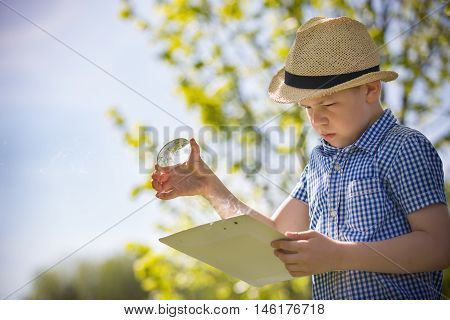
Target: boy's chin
[[338, 143]]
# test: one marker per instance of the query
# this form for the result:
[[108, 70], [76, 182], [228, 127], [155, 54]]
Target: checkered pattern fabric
[[363, 193]]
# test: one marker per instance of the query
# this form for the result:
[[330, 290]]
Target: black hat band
[[323, 82]]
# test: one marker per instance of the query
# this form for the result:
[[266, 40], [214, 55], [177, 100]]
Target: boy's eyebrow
[[320, 103]]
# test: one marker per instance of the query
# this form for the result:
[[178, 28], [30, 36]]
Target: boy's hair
[[355, 89]]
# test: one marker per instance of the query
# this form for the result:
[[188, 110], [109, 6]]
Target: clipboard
[[239, 246]]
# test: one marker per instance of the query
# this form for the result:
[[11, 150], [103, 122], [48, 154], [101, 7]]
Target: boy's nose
[[318, 118]]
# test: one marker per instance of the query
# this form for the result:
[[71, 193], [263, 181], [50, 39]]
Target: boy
[[368, 217]]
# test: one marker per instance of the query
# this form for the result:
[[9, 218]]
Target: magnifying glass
[[174, 152]]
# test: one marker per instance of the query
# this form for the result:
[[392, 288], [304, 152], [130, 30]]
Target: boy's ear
[[372, 91]]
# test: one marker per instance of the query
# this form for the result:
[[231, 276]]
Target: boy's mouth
[[328, 136]]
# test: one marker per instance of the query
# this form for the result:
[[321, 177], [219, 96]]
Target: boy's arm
[[195, 178], [291, 215], [425, 248]]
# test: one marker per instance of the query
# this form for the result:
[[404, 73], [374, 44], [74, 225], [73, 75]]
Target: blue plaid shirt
[[364, 192]]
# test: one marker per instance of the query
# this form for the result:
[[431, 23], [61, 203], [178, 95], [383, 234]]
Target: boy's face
[[341, 118]]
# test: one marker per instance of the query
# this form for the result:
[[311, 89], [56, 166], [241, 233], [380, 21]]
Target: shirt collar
[[370, 138]]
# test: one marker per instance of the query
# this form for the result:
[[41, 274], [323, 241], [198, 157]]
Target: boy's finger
[[156, 185], [155, 175], [289, 258], [289, 245], [278, 242], [163, 177], [299, 274], [166, 186], [171, 194], [304, 235]]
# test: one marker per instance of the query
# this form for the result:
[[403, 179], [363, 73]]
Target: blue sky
[[65, 172]]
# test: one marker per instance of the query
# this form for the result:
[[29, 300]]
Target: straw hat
[[328, 55]]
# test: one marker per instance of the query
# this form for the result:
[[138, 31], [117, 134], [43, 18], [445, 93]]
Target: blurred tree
[[225, 53], [174, 276], [112, 279]]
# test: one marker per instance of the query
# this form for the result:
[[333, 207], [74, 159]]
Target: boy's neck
[[377, 113]]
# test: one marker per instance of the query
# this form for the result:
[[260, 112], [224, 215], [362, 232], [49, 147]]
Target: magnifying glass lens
[[174, 152]]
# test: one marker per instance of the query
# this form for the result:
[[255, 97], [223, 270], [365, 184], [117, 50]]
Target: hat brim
[[282, 93]]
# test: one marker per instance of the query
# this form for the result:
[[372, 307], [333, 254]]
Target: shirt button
[[333, 213], [337, 166]]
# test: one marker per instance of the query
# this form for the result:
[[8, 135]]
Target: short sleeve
[[300, 191], [416, 175]]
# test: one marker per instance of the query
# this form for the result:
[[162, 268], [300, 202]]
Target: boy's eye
[[325, 105]]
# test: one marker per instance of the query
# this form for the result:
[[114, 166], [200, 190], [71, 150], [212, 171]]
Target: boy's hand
[[187, 179], [308, 252]]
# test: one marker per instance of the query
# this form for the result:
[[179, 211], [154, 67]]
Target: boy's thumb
[[195, 149]]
